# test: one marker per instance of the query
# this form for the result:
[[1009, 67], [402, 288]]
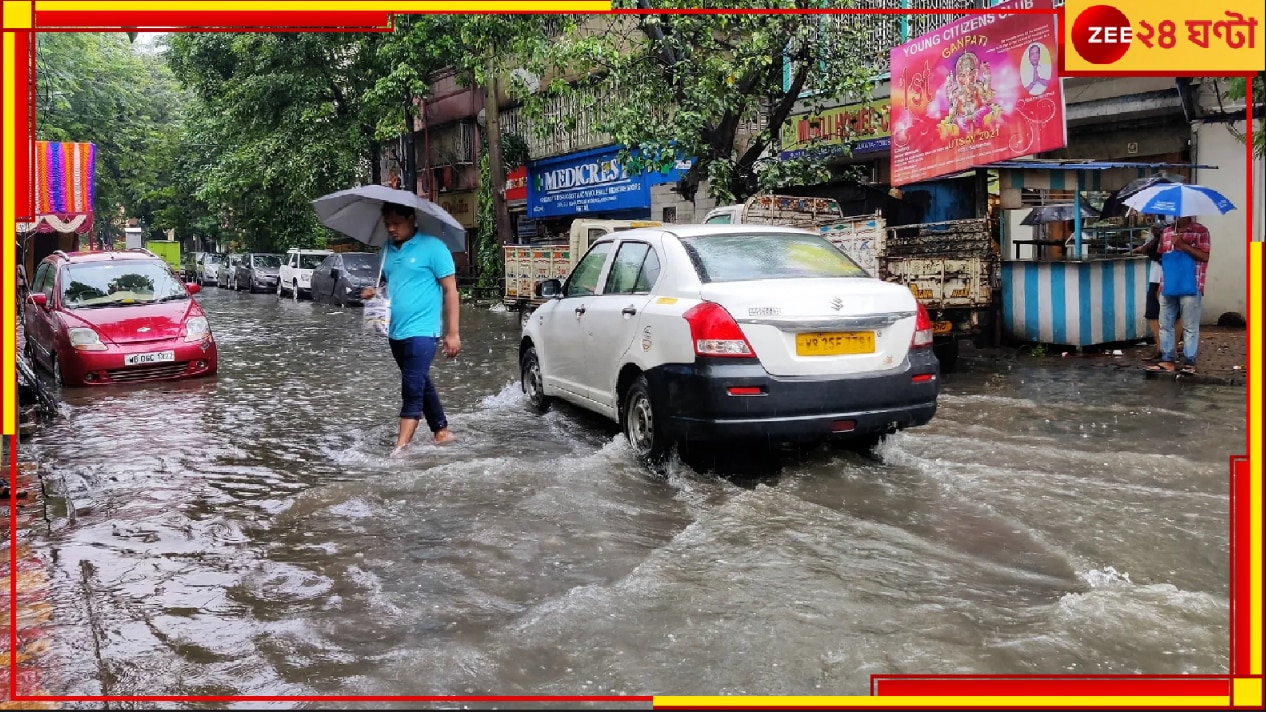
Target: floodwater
[[247, 534]]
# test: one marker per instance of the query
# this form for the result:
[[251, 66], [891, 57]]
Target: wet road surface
[[248, 535]]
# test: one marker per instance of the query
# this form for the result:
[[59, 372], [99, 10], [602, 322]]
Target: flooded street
[[247, 534]]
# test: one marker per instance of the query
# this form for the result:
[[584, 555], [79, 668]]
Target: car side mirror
[[334, 274], [549, 289], [39, 299], [193, 288]]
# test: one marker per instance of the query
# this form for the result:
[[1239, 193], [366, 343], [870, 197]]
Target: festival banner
[[64, 174], [983, 89]]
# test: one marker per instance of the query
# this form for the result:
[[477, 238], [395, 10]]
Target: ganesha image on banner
[[970, 97]]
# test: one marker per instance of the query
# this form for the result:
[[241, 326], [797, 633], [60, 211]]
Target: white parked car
[[715, 333], [296, 271], [211, 267]]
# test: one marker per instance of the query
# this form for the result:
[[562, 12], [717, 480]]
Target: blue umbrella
[[356, 212], [1180, 200]]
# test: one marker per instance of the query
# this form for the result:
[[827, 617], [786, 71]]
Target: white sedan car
[[709, 333]]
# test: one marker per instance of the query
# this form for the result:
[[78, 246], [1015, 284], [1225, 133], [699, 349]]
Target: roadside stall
[[63, 193], [1075, 282]]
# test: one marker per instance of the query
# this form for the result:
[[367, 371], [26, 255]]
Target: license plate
[[942, 327], [155, 357], [835, 343]]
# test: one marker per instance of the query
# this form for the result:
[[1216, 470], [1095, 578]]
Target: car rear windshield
[[360, 262], [740, 258], [121, 283]]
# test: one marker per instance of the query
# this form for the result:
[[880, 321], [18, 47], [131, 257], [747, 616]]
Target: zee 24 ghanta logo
[[1103, 34]]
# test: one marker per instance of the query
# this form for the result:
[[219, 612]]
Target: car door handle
[[630, 310], [580, 310]]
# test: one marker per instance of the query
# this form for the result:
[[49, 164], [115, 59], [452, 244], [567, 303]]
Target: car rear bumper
[[103, 368], [698, 404]]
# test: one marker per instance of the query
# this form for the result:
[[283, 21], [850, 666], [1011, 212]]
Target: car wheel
[[294, 290], [280, 292], [532, 382], [57, 373], [644, 430]]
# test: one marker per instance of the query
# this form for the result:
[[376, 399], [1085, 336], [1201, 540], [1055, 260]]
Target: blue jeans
[[1171, 307], [417, 390]]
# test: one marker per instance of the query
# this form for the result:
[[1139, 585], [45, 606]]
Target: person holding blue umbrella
[[1184, 251]]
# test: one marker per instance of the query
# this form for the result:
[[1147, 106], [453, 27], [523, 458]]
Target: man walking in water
[[421, 278]]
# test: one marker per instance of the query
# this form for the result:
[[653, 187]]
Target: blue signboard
[[591, 182]]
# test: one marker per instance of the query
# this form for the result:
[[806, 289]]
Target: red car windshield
[[119, 283]]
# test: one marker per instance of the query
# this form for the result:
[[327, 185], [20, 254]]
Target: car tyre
[[294, 290], [643, 426], [56, 370], [532, 383]]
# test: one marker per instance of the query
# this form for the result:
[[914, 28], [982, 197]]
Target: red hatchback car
[[96, 318]]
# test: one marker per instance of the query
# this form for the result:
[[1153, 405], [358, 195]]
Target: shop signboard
[[516, 184], [862, 128], [982, 89], [591, 182], [461, 205]]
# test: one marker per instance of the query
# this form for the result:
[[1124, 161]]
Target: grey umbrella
[[356, 212], [1056, 213]]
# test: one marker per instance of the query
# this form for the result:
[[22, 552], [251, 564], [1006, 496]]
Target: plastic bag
[[378, 315]]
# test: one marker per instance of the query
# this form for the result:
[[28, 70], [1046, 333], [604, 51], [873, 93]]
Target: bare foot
[[444, 436], [399, 451]]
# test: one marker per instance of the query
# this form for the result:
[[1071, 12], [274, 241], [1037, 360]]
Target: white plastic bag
[[378, 315]]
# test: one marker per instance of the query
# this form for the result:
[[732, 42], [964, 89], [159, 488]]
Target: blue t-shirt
[[413, 271]]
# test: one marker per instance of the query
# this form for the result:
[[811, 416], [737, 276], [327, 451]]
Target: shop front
[[589, 184], [1079, 285], [524, 229]]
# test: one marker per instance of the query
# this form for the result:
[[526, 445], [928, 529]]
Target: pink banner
[[984, 88]]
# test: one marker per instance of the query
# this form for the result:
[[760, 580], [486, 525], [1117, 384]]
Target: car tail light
[[922, 329], [715, 333]]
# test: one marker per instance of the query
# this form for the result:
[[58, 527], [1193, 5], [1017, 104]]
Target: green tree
[[94, 88], [695, 84], [282, 120], [1237, 88]]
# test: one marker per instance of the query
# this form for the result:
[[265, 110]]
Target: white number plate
[[156, 357]]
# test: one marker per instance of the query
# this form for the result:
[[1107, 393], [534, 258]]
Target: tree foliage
[[95, 88], [715, 87], [1237, 88], [283, 118]]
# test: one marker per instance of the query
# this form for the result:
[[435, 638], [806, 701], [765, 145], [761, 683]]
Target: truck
[[952, 267], [169, 250], [528, 265]]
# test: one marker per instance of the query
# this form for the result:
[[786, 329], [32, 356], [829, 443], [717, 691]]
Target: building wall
[[1226, 286], [685, 212]]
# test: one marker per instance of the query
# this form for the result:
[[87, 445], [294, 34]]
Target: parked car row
[[323, 275]]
